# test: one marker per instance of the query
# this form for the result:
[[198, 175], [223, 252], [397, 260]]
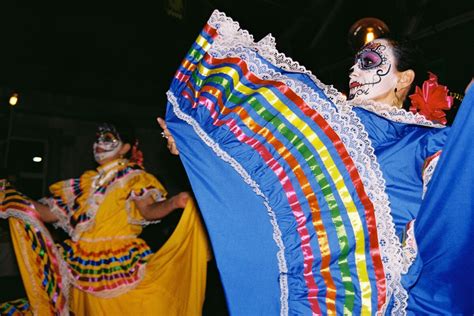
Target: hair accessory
[[431, 100], [137, 154]]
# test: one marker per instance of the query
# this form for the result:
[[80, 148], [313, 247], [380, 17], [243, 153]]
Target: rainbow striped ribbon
[[39, 254], [19, 307], [307, 179]]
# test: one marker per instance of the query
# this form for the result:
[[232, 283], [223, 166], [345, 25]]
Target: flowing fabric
[[111, 271], [310, 201], [39, 261], [406, 153], [174, 281], [300, 195], [19, 307], [445, 283]]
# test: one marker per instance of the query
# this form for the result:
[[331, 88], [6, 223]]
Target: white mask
[[109, 144], [373, 75], [109, 151]]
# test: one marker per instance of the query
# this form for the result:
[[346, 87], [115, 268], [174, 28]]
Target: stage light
[[13, 99], [370, 36], [366, 30], [37, 159]]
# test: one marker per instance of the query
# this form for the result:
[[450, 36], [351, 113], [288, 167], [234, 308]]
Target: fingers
[[161, 122], [185, 196], [166, 134], [181, 199], [172, 146], [173, 150]]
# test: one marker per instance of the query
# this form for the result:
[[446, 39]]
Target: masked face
[[107, 144], [373, 75]]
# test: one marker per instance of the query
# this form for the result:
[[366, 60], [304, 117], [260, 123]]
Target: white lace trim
[[63, 269], [410, 247], [95, 200], [93, 203], [231, 35], [66, 273], [358, 145], [277, 236], [394, 114], [155, 194], [102, 239], [68, 191], [233, 41], [428, 172], [63, 219]]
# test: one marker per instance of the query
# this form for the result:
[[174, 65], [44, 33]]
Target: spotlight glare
[[37, 159], [13, 99], [366, 30], [369, 37]]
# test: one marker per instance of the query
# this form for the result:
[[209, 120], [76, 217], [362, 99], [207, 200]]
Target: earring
[[396, 103]]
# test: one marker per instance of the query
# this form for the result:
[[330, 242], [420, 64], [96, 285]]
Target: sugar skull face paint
[[373, 74], [107, 144]]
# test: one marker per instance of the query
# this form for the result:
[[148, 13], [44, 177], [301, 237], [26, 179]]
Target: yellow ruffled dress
[[111, 270]]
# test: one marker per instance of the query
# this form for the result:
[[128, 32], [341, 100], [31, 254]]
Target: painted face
[[373, 74], [107, 144]]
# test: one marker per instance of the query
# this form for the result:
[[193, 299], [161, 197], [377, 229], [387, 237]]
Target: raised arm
[[152, 210]]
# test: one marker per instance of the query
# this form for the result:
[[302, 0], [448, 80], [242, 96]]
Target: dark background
[[128, 53], [78, 64], [75, 65]]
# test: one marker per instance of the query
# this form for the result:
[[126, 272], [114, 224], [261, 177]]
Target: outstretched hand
[[181, 199], [166, 134]]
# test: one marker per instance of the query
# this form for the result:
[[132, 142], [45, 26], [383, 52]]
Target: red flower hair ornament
[[431, 100]]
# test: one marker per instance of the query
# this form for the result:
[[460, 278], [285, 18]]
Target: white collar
[[394, 114]]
